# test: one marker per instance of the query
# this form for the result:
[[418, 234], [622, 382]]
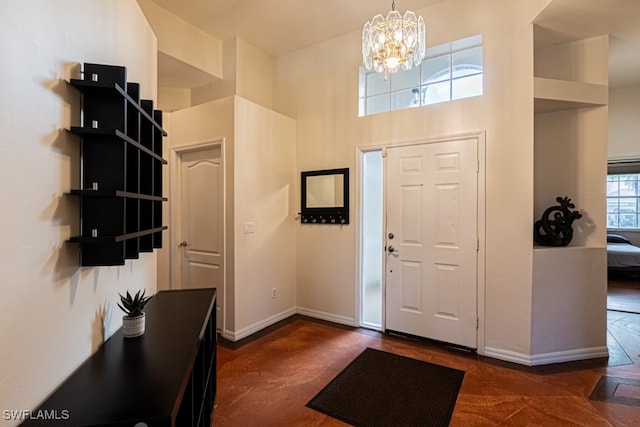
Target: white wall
[[318, 86], [183, 41], [260, 178], [624, 126], [265, 174], [254, 74], [51, 310], [569, 309], [248, 73], [172, 99]]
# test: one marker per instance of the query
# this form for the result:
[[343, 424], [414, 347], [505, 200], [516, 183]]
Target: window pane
[[628, 185], [405, 99], [628, 205], [467, 62], [450, 71], [436, 69], [467, 87], [378, 104], [405, 79], [612, 221], [376, 84], [612, 188], [628, 221], [623, 201], [437, 92]]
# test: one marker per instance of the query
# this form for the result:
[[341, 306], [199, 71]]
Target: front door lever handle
[[391, 249]]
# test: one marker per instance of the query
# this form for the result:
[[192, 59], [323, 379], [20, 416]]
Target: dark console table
[[166, 377]]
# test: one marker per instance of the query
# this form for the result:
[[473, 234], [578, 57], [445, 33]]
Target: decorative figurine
[[556, 231]]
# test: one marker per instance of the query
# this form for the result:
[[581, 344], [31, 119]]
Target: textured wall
[[52, 311]]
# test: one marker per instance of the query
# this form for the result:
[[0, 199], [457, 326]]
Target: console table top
[[137, 378]]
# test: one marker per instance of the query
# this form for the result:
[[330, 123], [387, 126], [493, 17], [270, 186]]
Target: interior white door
[[202, 246], [431, 241]]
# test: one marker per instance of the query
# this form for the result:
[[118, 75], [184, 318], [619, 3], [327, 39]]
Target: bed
[[622, 256]]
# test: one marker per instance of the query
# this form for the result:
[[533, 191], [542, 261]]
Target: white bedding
[[622, 255]]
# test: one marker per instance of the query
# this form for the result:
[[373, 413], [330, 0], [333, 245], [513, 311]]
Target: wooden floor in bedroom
[[624, 295]]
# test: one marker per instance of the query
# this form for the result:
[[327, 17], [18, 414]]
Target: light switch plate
[[249, 227]]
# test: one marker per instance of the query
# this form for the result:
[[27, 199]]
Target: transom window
[[450, 71], [623, 201]]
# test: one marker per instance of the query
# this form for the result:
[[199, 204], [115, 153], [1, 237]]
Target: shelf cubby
[[121, 168]]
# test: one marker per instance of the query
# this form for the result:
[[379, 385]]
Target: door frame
[[480, 137], [175, 213]]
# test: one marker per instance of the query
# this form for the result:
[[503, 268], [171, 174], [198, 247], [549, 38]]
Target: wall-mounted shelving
[[121, 168]]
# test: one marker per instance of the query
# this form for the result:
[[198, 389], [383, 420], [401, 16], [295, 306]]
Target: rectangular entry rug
[[385, 389]]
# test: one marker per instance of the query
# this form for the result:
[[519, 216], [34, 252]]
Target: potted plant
[[133, 320]]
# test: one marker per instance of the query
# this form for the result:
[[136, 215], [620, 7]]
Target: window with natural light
[[623, 201], [450, 71]]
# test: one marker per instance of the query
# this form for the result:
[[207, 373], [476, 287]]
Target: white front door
[[432, 240], [202, 245]]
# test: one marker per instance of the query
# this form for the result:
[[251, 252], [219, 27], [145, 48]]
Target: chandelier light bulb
[[392, 62], [393, 43]]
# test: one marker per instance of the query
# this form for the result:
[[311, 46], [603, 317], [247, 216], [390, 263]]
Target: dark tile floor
[[268, 380]]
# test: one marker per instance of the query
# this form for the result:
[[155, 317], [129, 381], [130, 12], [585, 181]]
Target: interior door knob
[[182, 244]]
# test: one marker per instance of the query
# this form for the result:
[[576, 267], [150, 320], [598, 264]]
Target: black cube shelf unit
[[164, 378], [121, 168]]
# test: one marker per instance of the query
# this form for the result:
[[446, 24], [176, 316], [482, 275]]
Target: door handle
[[182, 244], [391, 249]]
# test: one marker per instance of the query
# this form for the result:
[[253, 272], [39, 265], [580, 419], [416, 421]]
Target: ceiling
[[278, 27]]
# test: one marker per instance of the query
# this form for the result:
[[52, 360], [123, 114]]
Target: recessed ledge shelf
[[558, 95]]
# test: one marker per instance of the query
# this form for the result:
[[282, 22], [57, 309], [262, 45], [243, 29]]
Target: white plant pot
[[133, 326]]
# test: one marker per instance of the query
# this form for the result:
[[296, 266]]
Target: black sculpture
[[556, 231]]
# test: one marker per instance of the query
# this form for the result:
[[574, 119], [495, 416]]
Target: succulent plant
[[133, 306]]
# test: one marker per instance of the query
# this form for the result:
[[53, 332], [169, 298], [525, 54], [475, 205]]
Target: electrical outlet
[[274, 293]]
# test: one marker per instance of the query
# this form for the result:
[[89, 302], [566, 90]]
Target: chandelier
[[394, 43]]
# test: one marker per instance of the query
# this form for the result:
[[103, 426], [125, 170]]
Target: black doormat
[[384, 389]]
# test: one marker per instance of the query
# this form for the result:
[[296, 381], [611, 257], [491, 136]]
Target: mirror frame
[[325, 214]]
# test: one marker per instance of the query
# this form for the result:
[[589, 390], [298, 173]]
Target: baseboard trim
[[258, 326], [569, 355], [330, 317], [546, 358]]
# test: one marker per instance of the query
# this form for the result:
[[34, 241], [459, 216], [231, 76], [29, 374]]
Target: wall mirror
[[325, 196]]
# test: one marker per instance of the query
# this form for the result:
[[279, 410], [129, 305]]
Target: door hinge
[[477, 245], [384, 152], [477, 323]]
